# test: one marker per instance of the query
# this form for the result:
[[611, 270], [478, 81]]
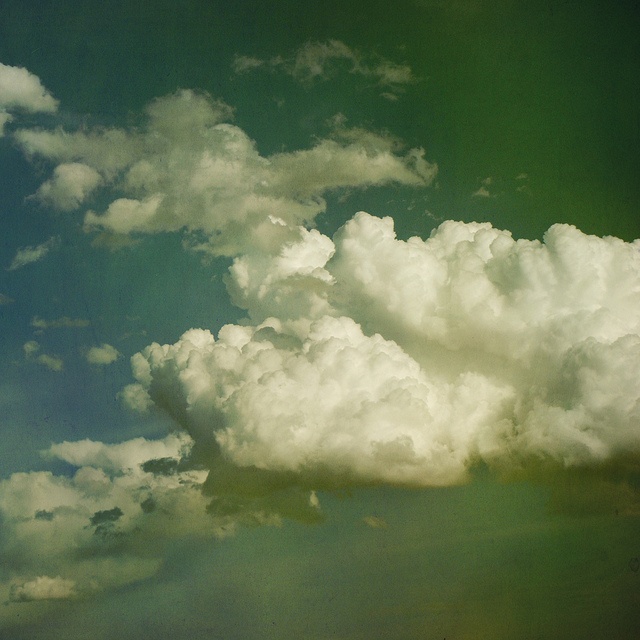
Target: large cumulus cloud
[[374, 360]]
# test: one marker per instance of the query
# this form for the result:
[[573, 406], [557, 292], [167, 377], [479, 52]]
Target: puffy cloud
[[27, 255], [20, 89], [102, 355], [69, 187], [105, 525], [43, 588], [188, 169], [376, 360]]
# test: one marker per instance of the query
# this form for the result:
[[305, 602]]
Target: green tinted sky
[[534, 107]]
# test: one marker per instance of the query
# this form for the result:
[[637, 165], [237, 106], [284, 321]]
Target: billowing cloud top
[[364, 359], [374, 360]]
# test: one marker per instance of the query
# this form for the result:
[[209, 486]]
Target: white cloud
[[43, 588], [102, 355], [188, 170], [70, 185], [20, 89], [28, 255], [119, 456], [378, 360]]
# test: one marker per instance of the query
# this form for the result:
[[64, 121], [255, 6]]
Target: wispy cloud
[[5, 299], [32, 352], [501, 186], [483, 191], [323, 60], [62, 322], [28, 255]]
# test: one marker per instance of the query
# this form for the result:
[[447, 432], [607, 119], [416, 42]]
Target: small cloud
[[522, 181], [375, 522], [30, 348], [27, 255], [323, 60], [63, 322], [43, 588], [5, 299], [69, 187], [483, 191], [53, 363], [102, 355], [242, 64]]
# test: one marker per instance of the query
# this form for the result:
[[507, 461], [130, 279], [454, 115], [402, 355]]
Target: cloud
[[322, 60], [106, 524], [375, 522], [102, 355], [51, 362], [5, 299], [28, 255], [64, 321], [187, 169], [21, 90], [109, 521], [43, 588], [69, 187], [242, 64], [373, 360], [483, 191]]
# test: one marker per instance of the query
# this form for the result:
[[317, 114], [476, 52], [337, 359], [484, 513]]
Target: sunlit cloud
[[190, 170], [103, 355], [28, 255], [22, 90]]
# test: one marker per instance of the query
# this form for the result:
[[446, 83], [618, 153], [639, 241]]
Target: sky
[[319, 320]]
